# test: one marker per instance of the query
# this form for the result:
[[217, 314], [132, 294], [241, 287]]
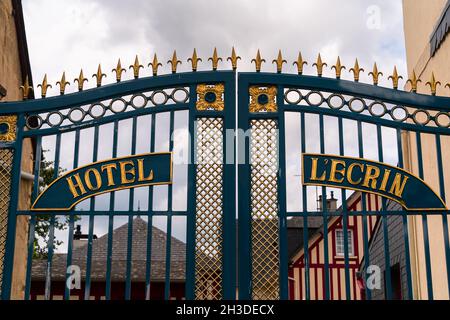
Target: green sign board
[[370, 176], [105, 176]]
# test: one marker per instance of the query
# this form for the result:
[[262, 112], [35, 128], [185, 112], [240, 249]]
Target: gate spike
[[62, 84], [433, 84], [194, 60], [233, 58], [338, 67], [155, 64], [414, 81], [215, 59], [26, 89], [319, 65], [395, 77], [174, 62], [375, 73], [300, 62], [136, 66], [118, 70], [44, 86], [356, 70], [258, 61], [81, 79], [99, 75], [279, 61]]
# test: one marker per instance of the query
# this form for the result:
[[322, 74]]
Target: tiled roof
[[119, 256]]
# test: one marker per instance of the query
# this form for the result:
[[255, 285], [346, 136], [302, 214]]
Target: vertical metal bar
[[245, 263], [51, 235], [111, 221], [305, 213], [71, 220], [8, 263], [191, 201], [325, 218], [405, 223], [229, 194], [364, 215], [283, 246], [148, 268], [31, 231], [387, 256], [169, 218], [425, 223], [130, 221], [344, 216], [87, 285], [444, 215]]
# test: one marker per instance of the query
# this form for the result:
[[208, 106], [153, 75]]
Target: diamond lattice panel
[[209, 197], [6, 158], [264, 203]]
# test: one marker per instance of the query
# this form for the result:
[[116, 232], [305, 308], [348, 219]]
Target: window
[[340, 243]]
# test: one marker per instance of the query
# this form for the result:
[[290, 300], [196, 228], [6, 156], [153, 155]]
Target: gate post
[[10, 157]]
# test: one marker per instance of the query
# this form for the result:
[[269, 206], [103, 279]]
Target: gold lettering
[[124, 171], [141, 176], [334, 170], [314, 171], [398, 185], [109, 173], [372, 173], [387, 172], [73, 186], [350, 172], [98, 179]]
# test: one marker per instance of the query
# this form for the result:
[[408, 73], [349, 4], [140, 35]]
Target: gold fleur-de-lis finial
[[279, 61], [155, 64], [375, 74], [258, 61], [300, 62], [433, 84], [81, 79], [215, 60], [62, 84], [338, 67], [319, 65], [395, 77], [174, 62], [194, 60], [356, 71], [414, 81], [26, 89], [118, 70], [136, 66], [233, 58], [44, 86], [99, 75]]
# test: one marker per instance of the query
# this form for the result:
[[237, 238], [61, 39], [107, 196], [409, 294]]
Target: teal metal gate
[[258, 195]]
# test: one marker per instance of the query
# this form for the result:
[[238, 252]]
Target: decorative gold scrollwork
[[263, 99], [8, 125], [210, 97]]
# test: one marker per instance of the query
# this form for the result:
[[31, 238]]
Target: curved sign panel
[[370, 176], [105, 176]]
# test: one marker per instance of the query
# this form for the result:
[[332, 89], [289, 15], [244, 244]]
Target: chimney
[[331, 203], [80, 239]]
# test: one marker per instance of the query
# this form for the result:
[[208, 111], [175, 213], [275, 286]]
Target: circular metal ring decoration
[[154, 96], [57, 123], [416, 114], [94, 115], [438, 122], [34, 118], [372, 109], [396, 118], [313, 93], [121, 108], [357, 110], [71, 114], [288, 100], [139, 105], [340, 105], [183, 100]]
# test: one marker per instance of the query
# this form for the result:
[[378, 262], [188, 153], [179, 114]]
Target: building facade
[[14, 70], [426, 28]]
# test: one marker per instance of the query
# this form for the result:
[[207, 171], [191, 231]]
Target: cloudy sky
[[72, 34]]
